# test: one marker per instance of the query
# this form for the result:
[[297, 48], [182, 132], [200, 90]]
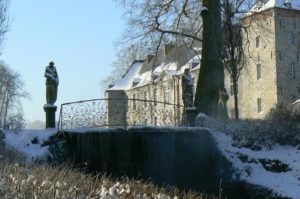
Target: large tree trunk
[[211, 75]]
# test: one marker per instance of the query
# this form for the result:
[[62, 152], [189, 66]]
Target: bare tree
[[11, 91], [234, 48], [233, 51], [4, 19], [155, 22]]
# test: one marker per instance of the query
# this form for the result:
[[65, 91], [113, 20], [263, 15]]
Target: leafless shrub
[[256, 134], [281, 113]]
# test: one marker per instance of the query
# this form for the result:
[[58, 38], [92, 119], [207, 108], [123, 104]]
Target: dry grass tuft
[[50, 182]]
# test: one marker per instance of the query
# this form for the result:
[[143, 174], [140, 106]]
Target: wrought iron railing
[[119, 113]]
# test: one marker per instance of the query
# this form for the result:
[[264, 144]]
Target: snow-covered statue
[[187, 88], [52, 82], [222, 104]]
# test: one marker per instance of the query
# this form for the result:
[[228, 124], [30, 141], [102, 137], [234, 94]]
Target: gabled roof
[[126, 81]]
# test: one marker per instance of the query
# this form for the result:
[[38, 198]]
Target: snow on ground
[[284, 183], [23, 141]]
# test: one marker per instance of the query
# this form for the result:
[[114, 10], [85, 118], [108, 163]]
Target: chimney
[[149, 58], [287, 3], [168, 48]]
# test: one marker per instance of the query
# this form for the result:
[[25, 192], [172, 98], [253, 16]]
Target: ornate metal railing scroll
[[88, 113], [119, 113]]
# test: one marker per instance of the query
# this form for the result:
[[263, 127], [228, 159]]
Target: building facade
[[153, 86], [271, 74], [272, 47]]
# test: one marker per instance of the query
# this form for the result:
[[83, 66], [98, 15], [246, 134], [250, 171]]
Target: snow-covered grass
[[48, 182], [264, 153]]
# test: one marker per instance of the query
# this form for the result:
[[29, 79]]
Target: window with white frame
[[134, 105], [258, 71], [257, 41], [280, 23], [292, 70], [145, 98], [290, 39], [279, 55], [155, 95], [166, 94], [232, 87], [271, 54], [259, 105]]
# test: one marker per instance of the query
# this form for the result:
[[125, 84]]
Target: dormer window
[[135, 82], [194, 64], [287, 3], [155, 76]]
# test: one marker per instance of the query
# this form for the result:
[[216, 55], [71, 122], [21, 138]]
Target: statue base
[[50, 115], [191, 113]]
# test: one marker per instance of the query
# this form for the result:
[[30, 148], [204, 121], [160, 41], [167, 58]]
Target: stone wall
[[116, 108], [272, 45], [287, 26], [257, 82], [187, 158]]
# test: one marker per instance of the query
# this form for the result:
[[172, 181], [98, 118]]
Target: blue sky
[[79, 36]]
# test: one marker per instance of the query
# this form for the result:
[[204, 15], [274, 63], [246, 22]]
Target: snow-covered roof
[[135, 77], [263, 5], [126, 81], [145, 79], [157, 71]]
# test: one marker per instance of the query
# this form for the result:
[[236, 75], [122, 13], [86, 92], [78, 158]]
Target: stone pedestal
[[50, 115], [191, 113]]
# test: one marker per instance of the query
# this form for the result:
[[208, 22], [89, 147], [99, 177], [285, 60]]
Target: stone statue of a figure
[[187, 88], [52, 82], [222, 104]]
